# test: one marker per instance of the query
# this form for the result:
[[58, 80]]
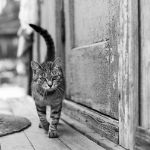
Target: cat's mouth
[[49, 88]]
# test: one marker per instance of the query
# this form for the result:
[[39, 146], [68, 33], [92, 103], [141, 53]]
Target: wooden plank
[[59, 27], [69, 35], [142, 139], [76, 140], [145, 61], [103, 125], [53, 22], [89, 133], [92, 80], [16, 141], [128, 73], [42, 142]]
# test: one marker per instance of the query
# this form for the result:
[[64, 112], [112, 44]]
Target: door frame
[[128, 77]]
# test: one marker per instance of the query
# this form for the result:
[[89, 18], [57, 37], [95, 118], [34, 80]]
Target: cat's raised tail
[[49, 42]]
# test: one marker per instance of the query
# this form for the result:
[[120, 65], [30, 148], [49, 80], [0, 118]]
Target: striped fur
[[48, 86]]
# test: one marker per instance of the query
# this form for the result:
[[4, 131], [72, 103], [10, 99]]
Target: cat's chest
[[42, 97]]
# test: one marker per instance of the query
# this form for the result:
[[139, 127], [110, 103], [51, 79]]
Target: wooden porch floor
[[34, 138]]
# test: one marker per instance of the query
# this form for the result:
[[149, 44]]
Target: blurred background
[[9, 25]]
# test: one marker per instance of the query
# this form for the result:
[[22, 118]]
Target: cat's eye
[[55, 77], [34, 71], [42, 74], [54, 72]]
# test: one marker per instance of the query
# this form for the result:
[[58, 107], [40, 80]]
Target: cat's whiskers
[[59, 91]]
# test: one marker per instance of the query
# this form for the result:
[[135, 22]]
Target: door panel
[[95, 21], [93, 81], [90, 25], [92, 61]]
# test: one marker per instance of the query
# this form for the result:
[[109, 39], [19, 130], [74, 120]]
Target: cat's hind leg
[[41, 111]]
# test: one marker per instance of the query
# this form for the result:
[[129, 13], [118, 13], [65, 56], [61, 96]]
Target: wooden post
[[69, 35], [145, 63], [59, 27], [128, 73]]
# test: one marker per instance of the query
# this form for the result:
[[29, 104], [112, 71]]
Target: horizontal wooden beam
[[89, 133], [101, 124]]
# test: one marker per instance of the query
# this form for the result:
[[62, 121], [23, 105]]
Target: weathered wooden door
[[92, 59], [101, 55]]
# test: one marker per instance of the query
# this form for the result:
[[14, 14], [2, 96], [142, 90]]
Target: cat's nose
[[50, 83]]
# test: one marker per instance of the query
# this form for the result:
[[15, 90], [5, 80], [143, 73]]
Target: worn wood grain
[[69, 36], [16, 141], [74, 141], [128, 73], [101, 124], [142, 139], [40, 140], [91, 134], [92, 79], [145, 63]]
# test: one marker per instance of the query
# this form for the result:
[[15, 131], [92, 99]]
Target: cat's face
[[47, 75]]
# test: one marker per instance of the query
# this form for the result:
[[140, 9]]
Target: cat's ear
[[58, 61], [35, 65]]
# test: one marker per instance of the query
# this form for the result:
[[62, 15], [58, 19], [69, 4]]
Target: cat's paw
[[45, 126], [52, 134]]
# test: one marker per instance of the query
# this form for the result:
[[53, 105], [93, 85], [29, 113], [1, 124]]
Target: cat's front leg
[[41, 111], [55, 116]]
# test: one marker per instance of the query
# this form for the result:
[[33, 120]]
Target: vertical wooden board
[[145, 63], [93, 78], [42, 24], [69, 36], [128, 79], [47, 22], [95, 21], [51, 19]]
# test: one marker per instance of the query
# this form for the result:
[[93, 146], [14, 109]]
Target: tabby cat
[[48, 85]]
